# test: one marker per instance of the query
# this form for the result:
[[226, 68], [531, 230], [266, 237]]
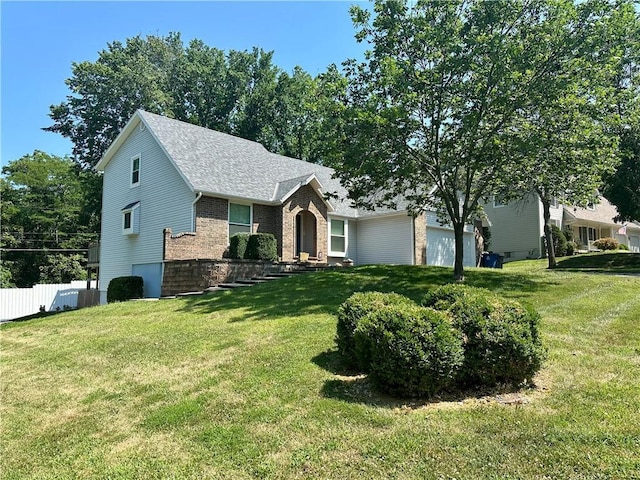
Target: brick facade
[[197, 275], [420, 239], [307, 199], [210, 239]]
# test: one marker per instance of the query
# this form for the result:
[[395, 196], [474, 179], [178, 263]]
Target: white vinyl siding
[[386, 239], [517, 228], [165, 201]]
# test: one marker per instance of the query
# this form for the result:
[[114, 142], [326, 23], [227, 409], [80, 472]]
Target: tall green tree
[[622, 188], [105, 93], [568, 143], [236, 92], [46, 206], [431, 113]]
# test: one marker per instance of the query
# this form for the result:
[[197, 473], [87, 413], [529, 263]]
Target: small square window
[[131, 219]]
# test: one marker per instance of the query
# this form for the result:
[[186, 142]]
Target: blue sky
[[40, 40]]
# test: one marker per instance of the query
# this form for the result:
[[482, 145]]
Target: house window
[[239, 218], [338, 237], [131, 219], [499, 201], [135, 171], [587, 234], [553, 203]]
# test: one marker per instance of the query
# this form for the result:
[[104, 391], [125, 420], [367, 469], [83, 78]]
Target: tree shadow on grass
[[323, 292], [355, 387], [602, 263]]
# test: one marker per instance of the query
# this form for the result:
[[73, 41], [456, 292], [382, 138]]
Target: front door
[[306, 234]]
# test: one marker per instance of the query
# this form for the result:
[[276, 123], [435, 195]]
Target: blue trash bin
[[490, 260]]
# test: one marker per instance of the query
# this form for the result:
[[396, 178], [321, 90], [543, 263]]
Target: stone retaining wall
[[181, 276]]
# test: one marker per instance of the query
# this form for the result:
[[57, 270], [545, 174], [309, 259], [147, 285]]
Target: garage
[[385, 240], [634, 243], [441, 244], [441, 247]]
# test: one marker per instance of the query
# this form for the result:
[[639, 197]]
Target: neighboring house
[[175, 191], [517, 228]]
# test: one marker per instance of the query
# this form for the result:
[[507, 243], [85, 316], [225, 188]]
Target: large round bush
[[352, 310], [409, 350], [501, 340]]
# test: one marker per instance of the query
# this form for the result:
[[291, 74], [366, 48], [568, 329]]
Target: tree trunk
[[458, 266], [551, 254]]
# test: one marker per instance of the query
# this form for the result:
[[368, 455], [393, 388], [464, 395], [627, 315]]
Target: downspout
[[193, 209]]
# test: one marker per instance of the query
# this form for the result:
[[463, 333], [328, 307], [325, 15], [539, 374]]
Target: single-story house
[[174, 191], [517, 228]]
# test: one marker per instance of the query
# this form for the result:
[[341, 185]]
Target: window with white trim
[[131, 219], [239, 218], [337, 237], [135, 171]]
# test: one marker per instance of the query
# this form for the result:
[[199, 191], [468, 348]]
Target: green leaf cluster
[[48, 203], [238, 92], [458, 100]]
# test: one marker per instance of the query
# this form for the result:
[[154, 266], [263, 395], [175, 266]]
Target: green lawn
[[247, 384]]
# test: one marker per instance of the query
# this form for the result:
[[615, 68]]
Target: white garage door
[[634, 243], [441, 248], [385, 240]]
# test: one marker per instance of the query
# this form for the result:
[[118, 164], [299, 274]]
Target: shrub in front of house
[[461, 337], [607, 243], [502, 343], [354, 309], [121, 289], [261, 246], [410, 351], [572, 247], [238, 245], [559, 241], [442, 297]]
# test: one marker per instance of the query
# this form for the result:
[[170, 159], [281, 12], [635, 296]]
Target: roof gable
[[219, 164]]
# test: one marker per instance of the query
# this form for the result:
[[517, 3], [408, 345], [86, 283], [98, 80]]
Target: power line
[[44, 249]]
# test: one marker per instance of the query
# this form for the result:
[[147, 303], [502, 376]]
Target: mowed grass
[[247, 384]]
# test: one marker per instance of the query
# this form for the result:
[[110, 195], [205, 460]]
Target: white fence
[[20, 302]]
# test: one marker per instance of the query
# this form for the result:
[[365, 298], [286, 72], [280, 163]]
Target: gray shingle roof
[[220, 164], [603, 212]]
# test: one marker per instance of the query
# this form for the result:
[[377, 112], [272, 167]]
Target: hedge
[[410, 350], [261, 246], [238, 245], [460, 337], [121, 289], [502, 340], [354, 309]]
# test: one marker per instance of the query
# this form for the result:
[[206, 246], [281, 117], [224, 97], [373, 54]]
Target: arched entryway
[[306, 233]]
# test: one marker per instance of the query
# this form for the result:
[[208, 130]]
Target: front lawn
[[604, 262], [247, 384]]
